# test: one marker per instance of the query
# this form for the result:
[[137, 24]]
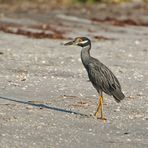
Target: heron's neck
[[85, 55]]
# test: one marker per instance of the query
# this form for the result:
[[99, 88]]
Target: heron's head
[[80, 41]]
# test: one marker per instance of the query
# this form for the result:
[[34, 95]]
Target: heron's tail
[[118, 95]]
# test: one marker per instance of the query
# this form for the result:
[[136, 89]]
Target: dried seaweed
[[117, 22], [41, 31]]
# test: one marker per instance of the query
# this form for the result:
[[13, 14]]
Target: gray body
[[100, 76]]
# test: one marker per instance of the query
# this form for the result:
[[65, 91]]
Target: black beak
[[69, 43]]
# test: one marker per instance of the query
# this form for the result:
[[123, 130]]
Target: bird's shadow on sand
[[43, 106]]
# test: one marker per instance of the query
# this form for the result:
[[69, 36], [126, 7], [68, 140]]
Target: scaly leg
[[102, 116], [100, 108]]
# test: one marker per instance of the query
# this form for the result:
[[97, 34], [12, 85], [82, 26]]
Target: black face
[[80, 41]]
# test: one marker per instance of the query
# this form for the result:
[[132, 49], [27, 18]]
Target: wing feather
[[103, 79]]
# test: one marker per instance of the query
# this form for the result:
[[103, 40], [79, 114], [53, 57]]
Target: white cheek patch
[[83, 42]]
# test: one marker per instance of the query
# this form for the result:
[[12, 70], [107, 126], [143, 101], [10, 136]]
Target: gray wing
[[103, 79]]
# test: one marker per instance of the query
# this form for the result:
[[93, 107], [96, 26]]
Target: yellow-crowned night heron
[[100, 76]]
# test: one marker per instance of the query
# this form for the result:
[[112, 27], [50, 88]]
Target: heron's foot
[[102, 118]]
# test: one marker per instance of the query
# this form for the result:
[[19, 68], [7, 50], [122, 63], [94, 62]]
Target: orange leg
[[100, 109]]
